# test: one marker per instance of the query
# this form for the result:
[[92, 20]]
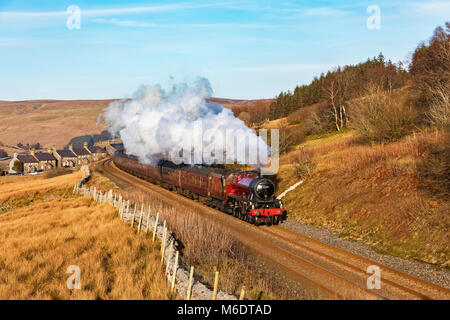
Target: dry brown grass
[[206, 245], [375, 194], [55, 229], [22, 190]]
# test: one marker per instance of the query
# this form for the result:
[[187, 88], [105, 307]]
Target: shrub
[[382, 117], [304, 165], [245, 116], [317, 123], [17, 166], [286, 140], [289, 137], [314, 119]]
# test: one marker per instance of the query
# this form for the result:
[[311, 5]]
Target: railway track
[[335, 273]]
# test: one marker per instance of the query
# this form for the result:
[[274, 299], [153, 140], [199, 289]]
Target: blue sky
[[247, 49]]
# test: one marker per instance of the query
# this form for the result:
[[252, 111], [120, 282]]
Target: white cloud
[[107, 11], [143, 24], [434, 8], [126, 23], [316, 12], [324, 12]]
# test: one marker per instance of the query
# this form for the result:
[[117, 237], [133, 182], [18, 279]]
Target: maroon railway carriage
[[169, 174], [244, 194]]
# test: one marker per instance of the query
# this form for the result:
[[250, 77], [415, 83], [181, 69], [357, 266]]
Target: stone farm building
[[97, 153], [83, 155], [46, 160], [66, 158]]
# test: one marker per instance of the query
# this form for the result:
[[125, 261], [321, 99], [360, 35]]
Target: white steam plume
[[155, 124]]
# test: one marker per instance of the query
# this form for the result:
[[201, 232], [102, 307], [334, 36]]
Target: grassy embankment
[[44, 229], [384, 195]]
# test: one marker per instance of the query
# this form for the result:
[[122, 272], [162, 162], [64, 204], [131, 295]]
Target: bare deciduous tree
[[286, 137], [335, 96], [439, 112]]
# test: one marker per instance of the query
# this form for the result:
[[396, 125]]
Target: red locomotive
[[244, 194]]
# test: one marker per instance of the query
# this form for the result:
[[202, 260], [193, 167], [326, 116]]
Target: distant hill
[[49, 122], [234, 102], [56, 122]]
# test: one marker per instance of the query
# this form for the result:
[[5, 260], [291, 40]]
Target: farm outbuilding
[[65, 158], [97, 153], [83, 155], [46, 160]]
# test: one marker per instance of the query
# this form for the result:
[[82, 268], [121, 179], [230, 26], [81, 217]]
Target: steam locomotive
[[243, 194]]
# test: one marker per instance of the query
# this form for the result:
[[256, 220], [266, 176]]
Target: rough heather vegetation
[[375, 155]]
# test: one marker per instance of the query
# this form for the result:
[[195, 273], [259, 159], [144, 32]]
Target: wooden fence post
[[156, 226], [241, 297], [175, 268], [134, 214], [191, 281], [216, 285], [140, 219]]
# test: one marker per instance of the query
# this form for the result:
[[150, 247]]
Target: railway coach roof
[[168, 164], [201, 170]]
